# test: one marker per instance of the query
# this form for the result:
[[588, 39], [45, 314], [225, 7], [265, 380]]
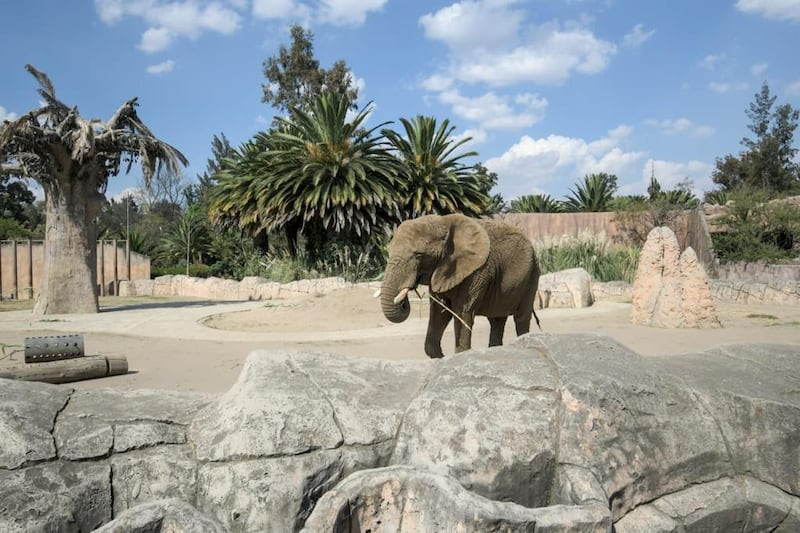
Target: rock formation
[[671, 289], [553, 432]]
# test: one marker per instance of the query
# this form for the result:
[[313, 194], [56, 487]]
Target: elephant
[[471, 266]]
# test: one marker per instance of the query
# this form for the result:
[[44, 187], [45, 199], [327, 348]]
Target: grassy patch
[[762, 315]]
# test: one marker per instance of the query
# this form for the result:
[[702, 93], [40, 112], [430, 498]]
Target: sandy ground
[[201, 346]]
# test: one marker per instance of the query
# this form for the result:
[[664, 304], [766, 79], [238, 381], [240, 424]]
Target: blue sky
[[549, 90]]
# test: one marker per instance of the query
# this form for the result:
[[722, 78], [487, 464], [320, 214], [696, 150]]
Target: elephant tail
[[537, 320]]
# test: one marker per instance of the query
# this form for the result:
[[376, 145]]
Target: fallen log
[[67, 370]]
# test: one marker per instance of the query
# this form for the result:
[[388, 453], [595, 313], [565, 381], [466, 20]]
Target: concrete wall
[[21, 266], [690, 228]]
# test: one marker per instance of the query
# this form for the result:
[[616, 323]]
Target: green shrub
[[757, 229], [594, 253], [195, 271]]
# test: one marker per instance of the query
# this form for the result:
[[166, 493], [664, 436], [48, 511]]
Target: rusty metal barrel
[[53, 348]]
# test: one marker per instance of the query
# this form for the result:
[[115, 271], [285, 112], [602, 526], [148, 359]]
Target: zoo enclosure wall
[[22, 261], [690, 227]]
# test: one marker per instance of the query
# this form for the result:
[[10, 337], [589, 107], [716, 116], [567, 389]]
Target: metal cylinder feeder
[[53, 348]]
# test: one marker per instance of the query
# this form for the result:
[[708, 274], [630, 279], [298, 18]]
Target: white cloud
[[719, 87], [155, 40], [681, 126], [710, 61], [348, 12], [437, 83], [276, 9], [7, 115], [772, 9], [637, 36], [491, 111], [489, 43], [474, 24], [170, 19], [477, 136], [792, 88], [758, 69], [555, 162], [161, 68]]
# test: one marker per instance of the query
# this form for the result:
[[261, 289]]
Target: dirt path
[[200, 346]]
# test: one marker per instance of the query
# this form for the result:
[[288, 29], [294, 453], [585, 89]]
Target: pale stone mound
[[671, 289], [556, 433], [570, 289]]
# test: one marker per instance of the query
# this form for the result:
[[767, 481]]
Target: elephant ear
[[466, 248]]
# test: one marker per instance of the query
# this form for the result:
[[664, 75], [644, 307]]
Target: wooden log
[[67, 370]]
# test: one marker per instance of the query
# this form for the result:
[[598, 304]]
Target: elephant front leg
[[437, 322], [463, 331], [497, 327]]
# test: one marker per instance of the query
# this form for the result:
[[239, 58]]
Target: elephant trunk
[[394, 300]]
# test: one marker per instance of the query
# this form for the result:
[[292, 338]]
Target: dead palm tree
[[72, 159]]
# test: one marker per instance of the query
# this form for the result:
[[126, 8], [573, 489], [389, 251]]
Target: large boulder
[[569, 289], [671, 289], [552, 432]]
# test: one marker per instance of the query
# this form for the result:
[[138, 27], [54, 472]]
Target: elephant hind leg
[[522, 321], [497, 326]]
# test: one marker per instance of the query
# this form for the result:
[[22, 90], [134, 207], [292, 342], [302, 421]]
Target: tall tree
[[72, 159], [435, 181], [768, 161], [295, 79]]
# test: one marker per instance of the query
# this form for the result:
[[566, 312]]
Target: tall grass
[[602, 259]]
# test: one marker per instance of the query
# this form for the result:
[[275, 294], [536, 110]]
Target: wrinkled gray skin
[[474, 266]]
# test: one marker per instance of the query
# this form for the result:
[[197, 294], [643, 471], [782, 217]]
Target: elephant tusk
[[401, 296], [377, 293]]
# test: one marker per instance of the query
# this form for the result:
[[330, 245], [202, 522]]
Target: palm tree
[[593, 195], [436, 182], [72, 159], [535, 203], [329, 173]]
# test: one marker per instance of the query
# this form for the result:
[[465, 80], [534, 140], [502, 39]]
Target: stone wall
[[556, 433], [250, 288], [21, 266], [759, 272]]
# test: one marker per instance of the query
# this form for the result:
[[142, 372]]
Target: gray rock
[[729, 504], [97, 422], [642, 433], [153, 474], [55, 496], [267, 494], [28, 412], [400, 498], [752, 393], [171, 515], [570, 289], [273, 409], [488, 420]]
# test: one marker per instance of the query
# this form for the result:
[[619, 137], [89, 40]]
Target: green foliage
[[758, 229], [435, 181], [353, 263], [716, 197], [13, 229], [535, 203], [195, 271], [187, 241], [593, 195], [768, 161], [594, 253]]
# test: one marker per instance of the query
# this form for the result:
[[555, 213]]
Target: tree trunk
[[69, 280]]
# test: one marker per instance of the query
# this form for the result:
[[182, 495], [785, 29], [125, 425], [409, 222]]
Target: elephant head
[[438, 251]]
